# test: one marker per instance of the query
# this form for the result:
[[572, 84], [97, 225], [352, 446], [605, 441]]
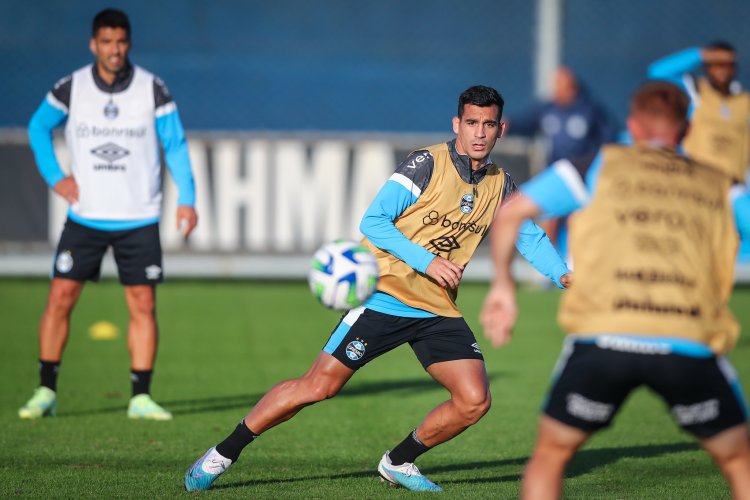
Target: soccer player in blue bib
[[423, 227], [653, 239], [115, 116]]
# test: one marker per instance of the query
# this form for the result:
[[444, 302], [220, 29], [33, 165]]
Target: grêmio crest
[[467, 203]]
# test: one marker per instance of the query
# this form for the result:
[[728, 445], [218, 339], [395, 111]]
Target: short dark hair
[[661, 101], [110, 18], [481, 96], [721, 45]]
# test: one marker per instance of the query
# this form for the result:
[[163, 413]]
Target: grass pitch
[[223, 344]]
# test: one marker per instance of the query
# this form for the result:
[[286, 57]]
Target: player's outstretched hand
[[445, 272], [67, 187], [499, 313], [566, 280], [187, 219]]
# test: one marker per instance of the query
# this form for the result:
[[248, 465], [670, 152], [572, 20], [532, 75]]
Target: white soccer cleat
[[42, 404], [142, 407], [406, 475], [202, 474]]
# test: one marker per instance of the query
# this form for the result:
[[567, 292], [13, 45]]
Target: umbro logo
[[445, 243], [110, 152], [153, 272]]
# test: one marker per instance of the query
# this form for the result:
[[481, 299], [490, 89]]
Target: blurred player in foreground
[[116, 115], [654, 245], [423, 227]]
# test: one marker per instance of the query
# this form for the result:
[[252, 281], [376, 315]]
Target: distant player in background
[[423, 227], [720, 117], [720, 111], [116, 115], [654, 248], [573, 124]]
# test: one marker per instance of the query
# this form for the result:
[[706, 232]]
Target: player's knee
[[320, 393], [474, 405], [557, 442], [142, 304], [554, 454], [319, 390], [729, 446], [62, 298]]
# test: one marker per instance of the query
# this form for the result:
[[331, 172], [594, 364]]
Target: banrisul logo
[[467, 203]]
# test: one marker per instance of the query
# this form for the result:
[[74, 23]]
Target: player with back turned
[[115, 115], [423, 227], [654, 244]]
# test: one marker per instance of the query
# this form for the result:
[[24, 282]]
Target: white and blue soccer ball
[[343, 274]]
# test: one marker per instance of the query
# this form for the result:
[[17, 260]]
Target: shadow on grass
[[587, 460], [372, 473], [245, 401], [584, 462]]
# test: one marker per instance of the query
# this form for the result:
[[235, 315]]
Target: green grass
[[224, 344]]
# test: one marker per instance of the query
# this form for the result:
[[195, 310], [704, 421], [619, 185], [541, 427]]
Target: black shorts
[[363, 334], [137, 253], [595, 376]]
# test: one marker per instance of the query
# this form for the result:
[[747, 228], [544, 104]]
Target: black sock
[[407, 450], [48, 373], [141, 380], [233, 445]]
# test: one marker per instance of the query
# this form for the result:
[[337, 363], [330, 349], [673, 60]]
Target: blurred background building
[[297, 111]]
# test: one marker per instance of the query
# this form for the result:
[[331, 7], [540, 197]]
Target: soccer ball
[[343, 274]]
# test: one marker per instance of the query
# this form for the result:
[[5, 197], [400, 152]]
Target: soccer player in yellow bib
[[654, 242], [423, 227], [720, 118], [720, 111]]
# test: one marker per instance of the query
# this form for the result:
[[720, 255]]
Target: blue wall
[[390, 65], [331, 65], [610, 44]]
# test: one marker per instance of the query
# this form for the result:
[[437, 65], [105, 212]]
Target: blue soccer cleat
[[406, 475], [205, 470]]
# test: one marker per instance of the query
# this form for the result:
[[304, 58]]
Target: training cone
[[103, 330]]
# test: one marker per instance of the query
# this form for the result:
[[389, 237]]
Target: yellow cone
[[103, 330]]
